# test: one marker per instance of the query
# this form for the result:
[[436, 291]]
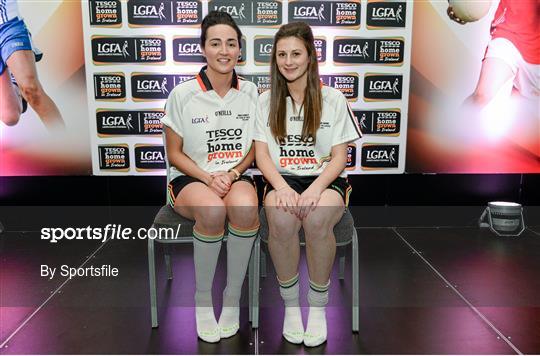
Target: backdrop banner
[[136, 51]]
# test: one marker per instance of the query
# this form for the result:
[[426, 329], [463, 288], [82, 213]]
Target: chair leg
[[342, 267], [263, 264], [256, 281], [355, 284], [153, 287], [168, 267], [251, 276]]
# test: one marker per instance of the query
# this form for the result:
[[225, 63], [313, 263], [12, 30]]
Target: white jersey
[[217, 132], [295, 157], [8, 10]]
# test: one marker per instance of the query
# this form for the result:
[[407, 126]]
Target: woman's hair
[[219, 18], [312, 104]]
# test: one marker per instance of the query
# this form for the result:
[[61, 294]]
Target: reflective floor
[[423, 290]]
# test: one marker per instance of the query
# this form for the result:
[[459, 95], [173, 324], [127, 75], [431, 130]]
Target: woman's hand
[[308, 201], [287, 199], [220, 183]]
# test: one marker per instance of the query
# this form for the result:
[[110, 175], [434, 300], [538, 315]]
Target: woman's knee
[[10, 117]]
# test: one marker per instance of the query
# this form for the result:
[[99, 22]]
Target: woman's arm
[[178, 159]]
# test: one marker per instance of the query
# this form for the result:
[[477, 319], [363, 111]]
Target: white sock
[[239, 245], [207, 326], [316, 331], [293, 328], [205, 252]]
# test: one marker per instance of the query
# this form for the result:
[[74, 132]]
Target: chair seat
[[168, 218], [343, 231]]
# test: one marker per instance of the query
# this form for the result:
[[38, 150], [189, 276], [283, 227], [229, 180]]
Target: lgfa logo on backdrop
[[187, 50], [379, 156], [326, 13], [150, 86], [383, 87], [149, 157], [128, 49], [250, 13], [386, 14], [162, 13], [118, 122], [105, 13], [368, 50]]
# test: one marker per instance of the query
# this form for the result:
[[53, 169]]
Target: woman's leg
[[197, 202], [320, 251], [242, 211], [10, 104], [284, 249]]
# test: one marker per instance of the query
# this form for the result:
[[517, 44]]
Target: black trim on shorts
[[180, 182], [300, 183]]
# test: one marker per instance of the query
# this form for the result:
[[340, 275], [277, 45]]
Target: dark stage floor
[[423, 290]]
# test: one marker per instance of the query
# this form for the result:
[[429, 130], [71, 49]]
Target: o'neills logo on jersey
[[262, 81], [187, 50], [114, 157], [110, 86], [325, 13], [250, 13], [119, 122], [154, 86], [381, 14], [351, 157], [379, 156], [224, 145], [149, 157], [347, 84], [163, 12], [368, 50], [383, 87], [379, 122], [105, 13]]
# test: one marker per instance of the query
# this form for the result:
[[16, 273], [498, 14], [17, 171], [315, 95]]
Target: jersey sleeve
[[172, 117], [259, 134], [345, 127]]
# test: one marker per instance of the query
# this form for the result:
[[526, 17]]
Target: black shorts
[[179, 183], [301, 183]]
